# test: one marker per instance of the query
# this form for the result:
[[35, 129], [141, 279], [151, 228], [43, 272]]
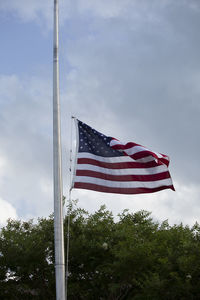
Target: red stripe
[[137, 155], [125, 147], [166, 156], [145, 178], [164, 161], [120, 165], [143, 154], [131, 145], [99, 188]]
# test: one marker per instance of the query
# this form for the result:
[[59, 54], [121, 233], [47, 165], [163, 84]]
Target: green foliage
[[26, 260], [131, 258]]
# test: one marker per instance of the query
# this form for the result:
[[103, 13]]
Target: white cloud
[[180, 206], [3, 164], [7, 211], [28, 10], [132, 71], [146, 11], [26, 144]]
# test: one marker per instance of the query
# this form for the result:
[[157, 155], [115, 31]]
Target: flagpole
[[57, 171]]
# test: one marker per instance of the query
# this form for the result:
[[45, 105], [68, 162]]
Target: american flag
[[105, 164]]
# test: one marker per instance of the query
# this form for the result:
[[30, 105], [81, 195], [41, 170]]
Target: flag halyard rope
[[69, 209]]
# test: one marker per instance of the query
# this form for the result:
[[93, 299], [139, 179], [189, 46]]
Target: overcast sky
[[128, 68]]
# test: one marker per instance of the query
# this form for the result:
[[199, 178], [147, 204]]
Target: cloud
[[26, 144], [139, 78], [7, 211], [28, 11], [177, 207], [33, 11], [128, 68], [146, 78]]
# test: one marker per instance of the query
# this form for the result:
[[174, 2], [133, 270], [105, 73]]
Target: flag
[[105, 164]]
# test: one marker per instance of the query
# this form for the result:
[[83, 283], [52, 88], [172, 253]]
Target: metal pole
[[57, 171]]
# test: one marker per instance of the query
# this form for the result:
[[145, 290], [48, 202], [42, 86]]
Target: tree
[[26, 260], [132, 257]]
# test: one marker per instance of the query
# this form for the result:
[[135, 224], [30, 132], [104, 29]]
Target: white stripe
[[117, 159], [131, 150], [134, 149], [114, 142], [132, 171], [125, 184], [151, 158], [158, 154], [137, 149], [146, 159]]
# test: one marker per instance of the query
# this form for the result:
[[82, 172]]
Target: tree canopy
[[133, 257]]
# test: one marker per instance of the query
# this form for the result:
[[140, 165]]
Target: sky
[[130, 69]]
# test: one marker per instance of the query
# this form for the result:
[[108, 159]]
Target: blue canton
[[95, 142]]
